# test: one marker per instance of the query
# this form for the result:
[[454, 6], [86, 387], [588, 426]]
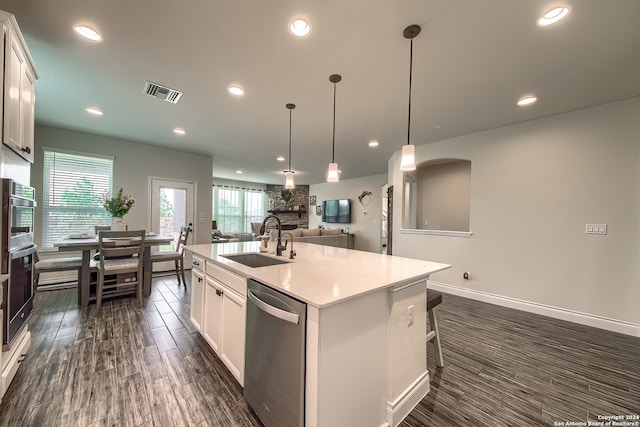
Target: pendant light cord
[[410, 78], [290, 112], [333, 145]]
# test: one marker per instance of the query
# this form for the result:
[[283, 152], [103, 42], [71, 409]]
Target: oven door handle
[[22, 202], [24, 252]]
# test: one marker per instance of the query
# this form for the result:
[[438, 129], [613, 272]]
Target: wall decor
[[312, 200], [319, 210]]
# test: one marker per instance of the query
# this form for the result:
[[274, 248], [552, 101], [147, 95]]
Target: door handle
[[274, 311]]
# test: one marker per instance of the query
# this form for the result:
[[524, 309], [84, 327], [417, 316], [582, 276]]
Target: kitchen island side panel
[[347, 362]]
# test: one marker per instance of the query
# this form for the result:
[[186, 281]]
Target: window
[[236, 208], [72, 191]]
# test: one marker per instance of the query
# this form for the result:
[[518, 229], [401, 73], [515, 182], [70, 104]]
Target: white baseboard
[[407, 400], [600, 322]]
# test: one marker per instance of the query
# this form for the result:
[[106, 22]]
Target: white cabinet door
[[197, 298], [212, 313], [233, 333], [13, 75], [27, 108], [19, 97]]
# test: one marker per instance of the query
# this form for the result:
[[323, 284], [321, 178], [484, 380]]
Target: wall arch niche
[[436, 198]]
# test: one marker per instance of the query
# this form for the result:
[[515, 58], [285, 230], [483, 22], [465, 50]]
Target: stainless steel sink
[[255, 260]]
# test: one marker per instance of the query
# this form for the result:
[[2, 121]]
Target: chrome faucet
[[292, 253], [279, 247]]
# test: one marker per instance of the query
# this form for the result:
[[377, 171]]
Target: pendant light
[[332, 173], [408, 161], [288, 174]]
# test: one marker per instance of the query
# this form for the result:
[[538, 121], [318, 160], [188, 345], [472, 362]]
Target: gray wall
[[443, 196], [134, 164], [534, 186]]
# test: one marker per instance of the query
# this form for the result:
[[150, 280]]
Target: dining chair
[[54, 265], [99, 228], [176, 256], [120, 255]]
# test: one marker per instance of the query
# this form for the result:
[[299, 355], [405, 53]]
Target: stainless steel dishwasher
[[274, 377]]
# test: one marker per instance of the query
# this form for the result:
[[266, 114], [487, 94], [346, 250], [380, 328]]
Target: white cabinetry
[[11, 359], [225, 317], [197, 291], [213, 295], [19, 76]]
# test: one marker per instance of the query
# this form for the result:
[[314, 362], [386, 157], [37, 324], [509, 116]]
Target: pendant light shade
[[288, 174], [288, 180], [332, 173], [408, 161]]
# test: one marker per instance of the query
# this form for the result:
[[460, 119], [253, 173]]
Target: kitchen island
[[365, 326]]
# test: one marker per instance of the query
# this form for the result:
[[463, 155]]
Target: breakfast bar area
[[365, 325]]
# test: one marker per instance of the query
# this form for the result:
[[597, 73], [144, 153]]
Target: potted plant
[[118, 206], [286, 196]]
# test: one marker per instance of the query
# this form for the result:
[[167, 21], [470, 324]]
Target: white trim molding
[[448, 233], [600, 322], [408, 400]]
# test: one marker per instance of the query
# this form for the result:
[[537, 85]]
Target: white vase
[[118, 224]]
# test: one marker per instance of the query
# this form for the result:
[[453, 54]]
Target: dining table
[[88, 243]]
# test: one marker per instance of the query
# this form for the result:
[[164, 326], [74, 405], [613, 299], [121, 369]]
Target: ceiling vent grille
[[162, 92]]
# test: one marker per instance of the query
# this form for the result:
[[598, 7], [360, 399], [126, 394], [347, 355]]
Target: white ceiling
[[472, 61]]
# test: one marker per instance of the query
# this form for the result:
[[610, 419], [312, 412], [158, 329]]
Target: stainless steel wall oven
[[18, 250]]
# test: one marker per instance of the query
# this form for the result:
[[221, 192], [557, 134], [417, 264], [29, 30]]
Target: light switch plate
[[596, 229]]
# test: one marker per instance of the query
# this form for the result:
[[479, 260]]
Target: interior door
[[172, 207]]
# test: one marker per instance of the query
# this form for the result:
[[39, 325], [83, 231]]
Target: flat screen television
[[336, 211]]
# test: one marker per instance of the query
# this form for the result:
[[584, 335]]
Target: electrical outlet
[[410, 315], [596, 229]]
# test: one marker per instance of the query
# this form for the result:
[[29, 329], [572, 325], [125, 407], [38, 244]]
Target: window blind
[[73, 188]]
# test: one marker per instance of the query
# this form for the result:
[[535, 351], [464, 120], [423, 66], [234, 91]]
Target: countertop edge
[[255, 274]]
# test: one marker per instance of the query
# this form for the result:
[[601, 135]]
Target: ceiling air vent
[[162, 92]]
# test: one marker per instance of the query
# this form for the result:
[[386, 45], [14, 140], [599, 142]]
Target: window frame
[[242, 222], [52, 194]]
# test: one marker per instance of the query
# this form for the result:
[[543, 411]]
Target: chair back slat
[[99, 228], [182, 239]]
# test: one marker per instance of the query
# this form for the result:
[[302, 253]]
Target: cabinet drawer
[[16, 356], [229, 279], [197, 263]]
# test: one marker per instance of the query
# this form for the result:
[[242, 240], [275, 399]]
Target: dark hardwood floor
[[149, 367], [126, 367], [505, 367]]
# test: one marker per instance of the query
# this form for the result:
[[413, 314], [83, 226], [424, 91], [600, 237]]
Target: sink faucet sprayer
[[292, 253]]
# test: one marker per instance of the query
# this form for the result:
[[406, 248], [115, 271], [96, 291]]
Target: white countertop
[[323, 275]]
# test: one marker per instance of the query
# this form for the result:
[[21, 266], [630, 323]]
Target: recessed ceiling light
[[280, 158], [235, 90], [373, 143], [93, 110], [527, 100], [553, 15], [238, 171], [87, 33], [299, 27], [179, 131]]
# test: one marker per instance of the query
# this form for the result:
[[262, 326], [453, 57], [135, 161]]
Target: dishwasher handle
[[287, 316]]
